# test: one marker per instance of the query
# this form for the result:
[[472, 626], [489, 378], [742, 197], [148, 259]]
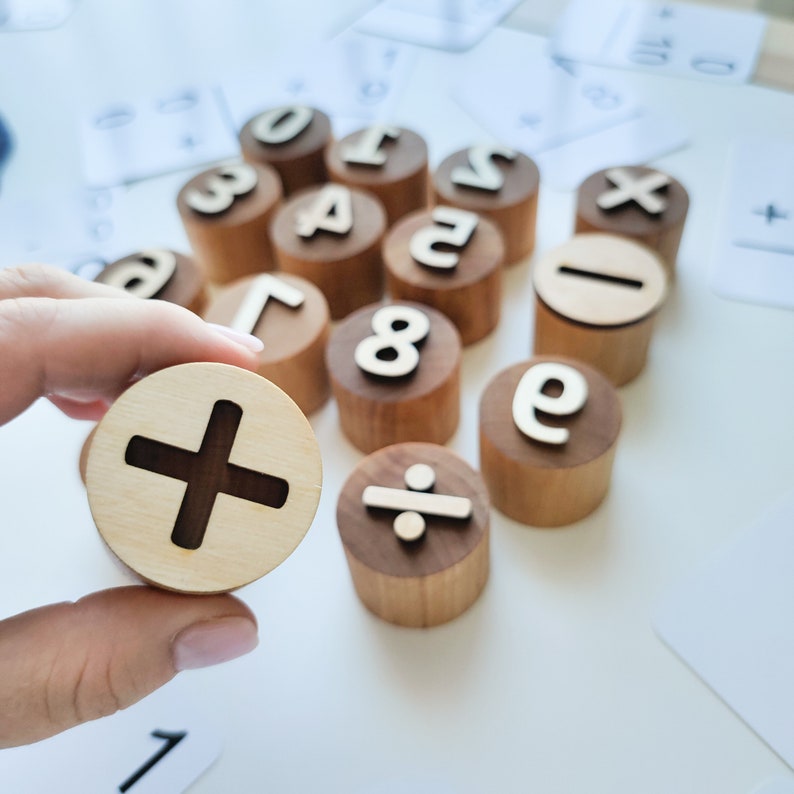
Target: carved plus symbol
[[207, 473], [642, 190]]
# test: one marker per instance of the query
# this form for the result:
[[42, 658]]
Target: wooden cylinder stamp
[[226, 212], [450, 259], [292, 139], [331, 236], [596, 298], [161, 274], [636, 202], [389, 161], [203, 477], [414, 523], [548, 433], [395, 374], [499, 183], [290, 315]]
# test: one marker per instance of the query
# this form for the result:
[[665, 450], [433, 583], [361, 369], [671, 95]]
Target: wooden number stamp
[[395, 374], [548, 433], [292, 139], [331, 236], [596, 298], [637, 202], [226, 212], [203, 477], [290, 315], [498, 183], [414, 523], [389, 161], [450, 259], [159, 273]]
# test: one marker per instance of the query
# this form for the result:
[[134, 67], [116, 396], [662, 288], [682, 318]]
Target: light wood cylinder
[[203, 477], [347, 268], [510, 200], [294, 334], [376, 411], [596, 299], [660, 231], [159, 273], [292, 139], [400, 177], [542, 484], [424, 582], [233, 241], [469, 293]]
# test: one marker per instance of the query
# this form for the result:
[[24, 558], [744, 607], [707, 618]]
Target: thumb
[[67, 663]]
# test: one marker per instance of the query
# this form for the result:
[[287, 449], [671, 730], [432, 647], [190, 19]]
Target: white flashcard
[[130, 140], [754, 256], [158, 746], [779, 785], [731, 622], [676, 39], [454, 25], [352, 77], [19, 15], [73, 230], [573, 119]]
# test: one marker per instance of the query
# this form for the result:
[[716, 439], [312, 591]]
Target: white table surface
[[554, 681]]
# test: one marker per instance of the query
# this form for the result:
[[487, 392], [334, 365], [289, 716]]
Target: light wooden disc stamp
[[411, 580], [203, 477], [292, 139], [548, 432], [161, 274], [395, 374], [450, 259], [638, 202], [331, 236], [389, 161], [290, 315], [226, 212], [596, 298], [499, 183]]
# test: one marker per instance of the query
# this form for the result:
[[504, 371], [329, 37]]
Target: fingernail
[[212, 642], [248, 341]]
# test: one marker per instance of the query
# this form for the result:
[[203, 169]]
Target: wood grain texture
[[513, 208], [401, 183], [187, 286], [418, 583], [376, 412], [470, 294], [300, 162], [596, 298], [203, 454], [661, 232], [548, 485], [347, 269], [294, 339], [236, 242]]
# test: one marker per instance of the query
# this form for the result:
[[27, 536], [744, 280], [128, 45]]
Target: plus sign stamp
[[203, 477], [596, 297], [414, 521], [638, 202]]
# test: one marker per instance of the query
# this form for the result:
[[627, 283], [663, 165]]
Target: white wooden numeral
[[221, 188], [367, 148], [453, 226], [331, 211], [482, 172], [144, 274], [281, 125], [529, 398], [392, 352], [262, 289]]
